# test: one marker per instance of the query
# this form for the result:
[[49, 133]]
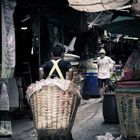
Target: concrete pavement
[[88, 124]]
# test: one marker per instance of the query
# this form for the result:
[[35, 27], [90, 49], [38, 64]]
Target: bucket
[[110, 112], [91, 84]]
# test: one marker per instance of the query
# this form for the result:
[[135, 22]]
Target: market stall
[[128, 95]]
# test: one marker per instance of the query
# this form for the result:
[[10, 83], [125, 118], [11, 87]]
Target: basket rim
[[127, 90]]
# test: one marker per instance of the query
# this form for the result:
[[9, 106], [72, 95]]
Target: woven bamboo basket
[[128, 104], [54, 110]]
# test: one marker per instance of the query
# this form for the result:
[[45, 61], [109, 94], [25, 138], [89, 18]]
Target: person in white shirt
[[105, 69]]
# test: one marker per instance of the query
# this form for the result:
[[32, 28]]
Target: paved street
[[88, 124]]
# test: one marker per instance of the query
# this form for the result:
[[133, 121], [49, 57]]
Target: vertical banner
[[8, 39]]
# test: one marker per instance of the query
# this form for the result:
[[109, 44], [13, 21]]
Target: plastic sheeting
[[126, 25], [60, 14], [72, 19], [96, 5]]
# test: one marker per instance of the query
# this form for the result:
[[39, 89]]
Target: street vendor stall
[[128, 97]]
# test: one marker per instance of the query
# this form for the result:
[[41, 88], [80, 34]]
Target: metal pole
[[39, 26], [1, 35], [62, 36]]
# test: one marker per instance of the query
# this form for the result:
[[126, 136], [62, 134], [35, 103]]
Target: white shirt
[[104, 67]]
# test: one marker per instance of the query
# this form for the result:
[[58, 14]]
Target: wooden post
[[36, 44], [0, 36]]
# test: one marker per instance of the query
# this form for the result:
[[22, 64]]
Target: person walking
[[106, 68], [57, 66]]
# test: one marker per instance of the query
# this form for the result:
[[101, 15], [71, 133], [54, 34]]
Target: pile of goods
[[132, 67], [107, 136]]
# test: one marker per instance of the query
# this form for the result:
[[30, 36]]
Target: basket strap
[[56, 67]]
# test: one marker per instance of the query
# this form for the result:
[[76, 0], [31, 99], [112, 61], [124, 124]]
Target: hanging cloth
[[56, 67]]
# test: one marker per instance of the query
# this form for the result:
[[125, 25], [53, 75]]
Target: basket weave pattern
[[129, 114], [54, 110]]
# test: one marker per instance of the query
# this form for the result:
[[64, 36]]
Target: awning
[[71, 19], [126, 25], [96, 5]]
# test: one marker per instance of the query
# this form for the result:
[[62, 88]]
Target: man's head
[[102, 53], [57, 50]]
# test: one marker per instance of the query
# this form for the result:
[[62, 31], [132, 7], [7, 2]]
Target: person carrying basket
[[57, 66]]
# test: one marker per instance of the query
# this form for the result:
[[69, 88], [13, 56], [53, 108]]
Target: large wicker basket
[[54, 110], [128, 104]]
